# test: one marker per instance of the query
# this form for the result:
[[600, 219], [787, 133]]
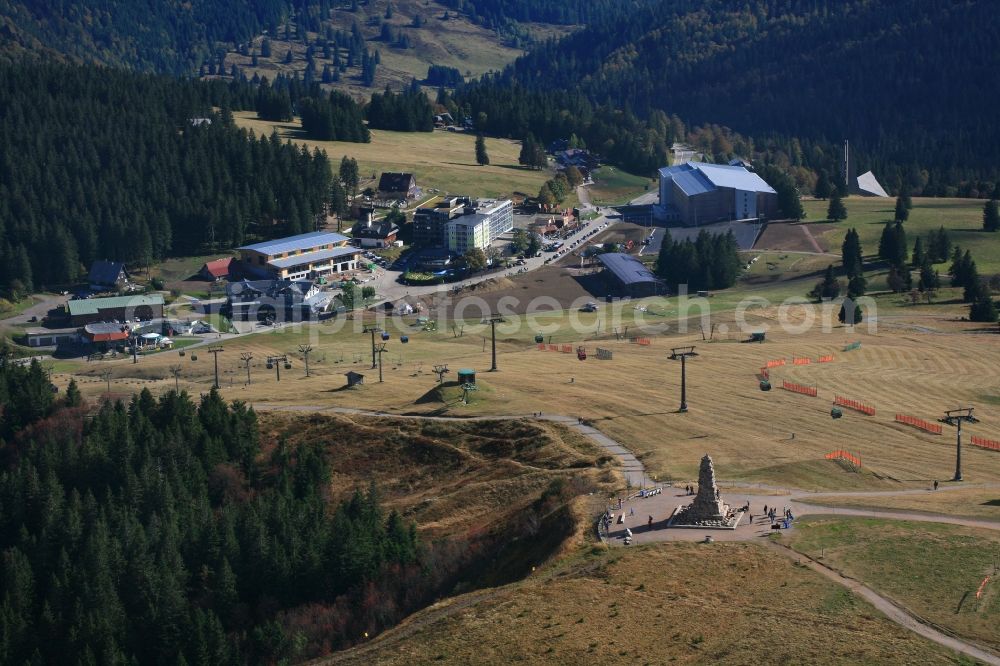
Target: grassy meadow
[[774, 437], [439, 159], [613, 186], [456, 42], [962, 218], [931, 569], [683, 603]]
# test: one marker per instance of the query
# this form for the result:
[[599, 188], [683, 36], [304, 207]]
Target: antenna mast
[[847, 164]]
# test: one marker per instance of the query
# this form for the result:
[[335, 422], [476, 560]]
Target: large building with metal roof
[[696, 193], [299, 257], [83, 311], [627, 276]]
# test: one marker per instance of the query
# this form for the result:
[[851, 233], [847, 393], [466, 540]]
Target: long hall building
[[696, 193]]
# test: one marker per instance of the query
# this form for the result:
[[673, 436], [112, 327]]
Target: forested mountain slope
[[104, 164], [909, 81], [152, 35]]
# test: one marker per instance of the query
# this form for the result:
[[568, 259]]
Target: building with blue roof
[[696, 193], [625, 275], [304, 256]]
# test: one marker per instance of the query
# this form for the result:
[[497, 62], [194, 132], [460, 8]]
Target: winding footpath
[[797, 501]]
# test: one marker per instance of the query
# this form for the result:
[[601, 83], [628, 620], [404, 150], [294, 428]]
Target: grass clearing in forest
[[440, 159]]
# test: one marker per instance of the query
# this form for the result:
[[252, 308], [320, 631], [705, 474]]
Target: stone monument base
[[679, 520]]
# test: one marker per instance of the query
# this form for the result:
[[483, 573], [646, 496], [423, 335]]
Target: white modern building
[[481, 224]]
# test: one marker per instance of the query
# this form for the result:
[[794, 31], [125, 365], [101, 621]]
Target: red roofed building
[[105, 332], [216, 270]]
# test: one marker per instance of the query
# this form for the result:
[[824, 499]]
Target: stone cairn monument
[[707, 510]]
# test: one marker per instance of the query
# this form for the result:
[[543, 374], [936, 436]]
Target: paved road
[[39, 310], [389, 288]]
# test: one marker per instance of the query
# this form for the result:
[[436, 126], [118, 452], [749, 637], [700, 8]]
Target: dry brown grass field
[[774, 437], [449, 478], [678, 603]]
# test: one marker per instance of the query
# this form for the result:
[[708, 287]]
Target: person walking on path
[[935, 484], [650, 524]]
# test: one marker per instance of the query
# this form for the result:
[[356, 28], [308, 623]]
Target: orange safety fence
[[541, 346], [826, 359], [567, 349], [554, 348], [919, 423], [641, 341], [991, 444], [799, 388], [856, 405], [982, 586], [775, 363], [844, 455], [801, 361]]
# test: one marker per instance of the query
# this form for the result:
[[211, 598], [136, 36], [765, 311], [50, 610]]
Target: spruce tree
[[887, 244], [828, 287], [822, 189], [991, 216], [983, 310], [919, 256], [482, 158], [836, 211], [972, 286], [929, 278], [902, 213], [851, 253]]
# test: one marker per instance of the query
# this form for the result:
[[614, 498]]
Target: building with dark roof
[[627, 276], [275, 300], [107, 275], [374, 233], [395, 186], [695, 193], [299, 257]]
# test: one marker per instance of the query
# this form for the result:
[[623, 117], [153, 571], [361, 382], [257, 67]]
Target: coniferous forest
[[106, 164], [793, 77], [158, 532]]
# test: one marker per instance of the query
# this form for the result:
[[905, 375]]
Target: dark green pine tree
[[482, 158], [983, 310], [887, 244], [73, 396], [972, 285], [899, 245], [940, 246], [850, 251], [929, 278], [822, 189], [836, 211], [828, 287], [902, 213], [991, 216], [850, 316], [856, 286], [919, 256], [956, 267]]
